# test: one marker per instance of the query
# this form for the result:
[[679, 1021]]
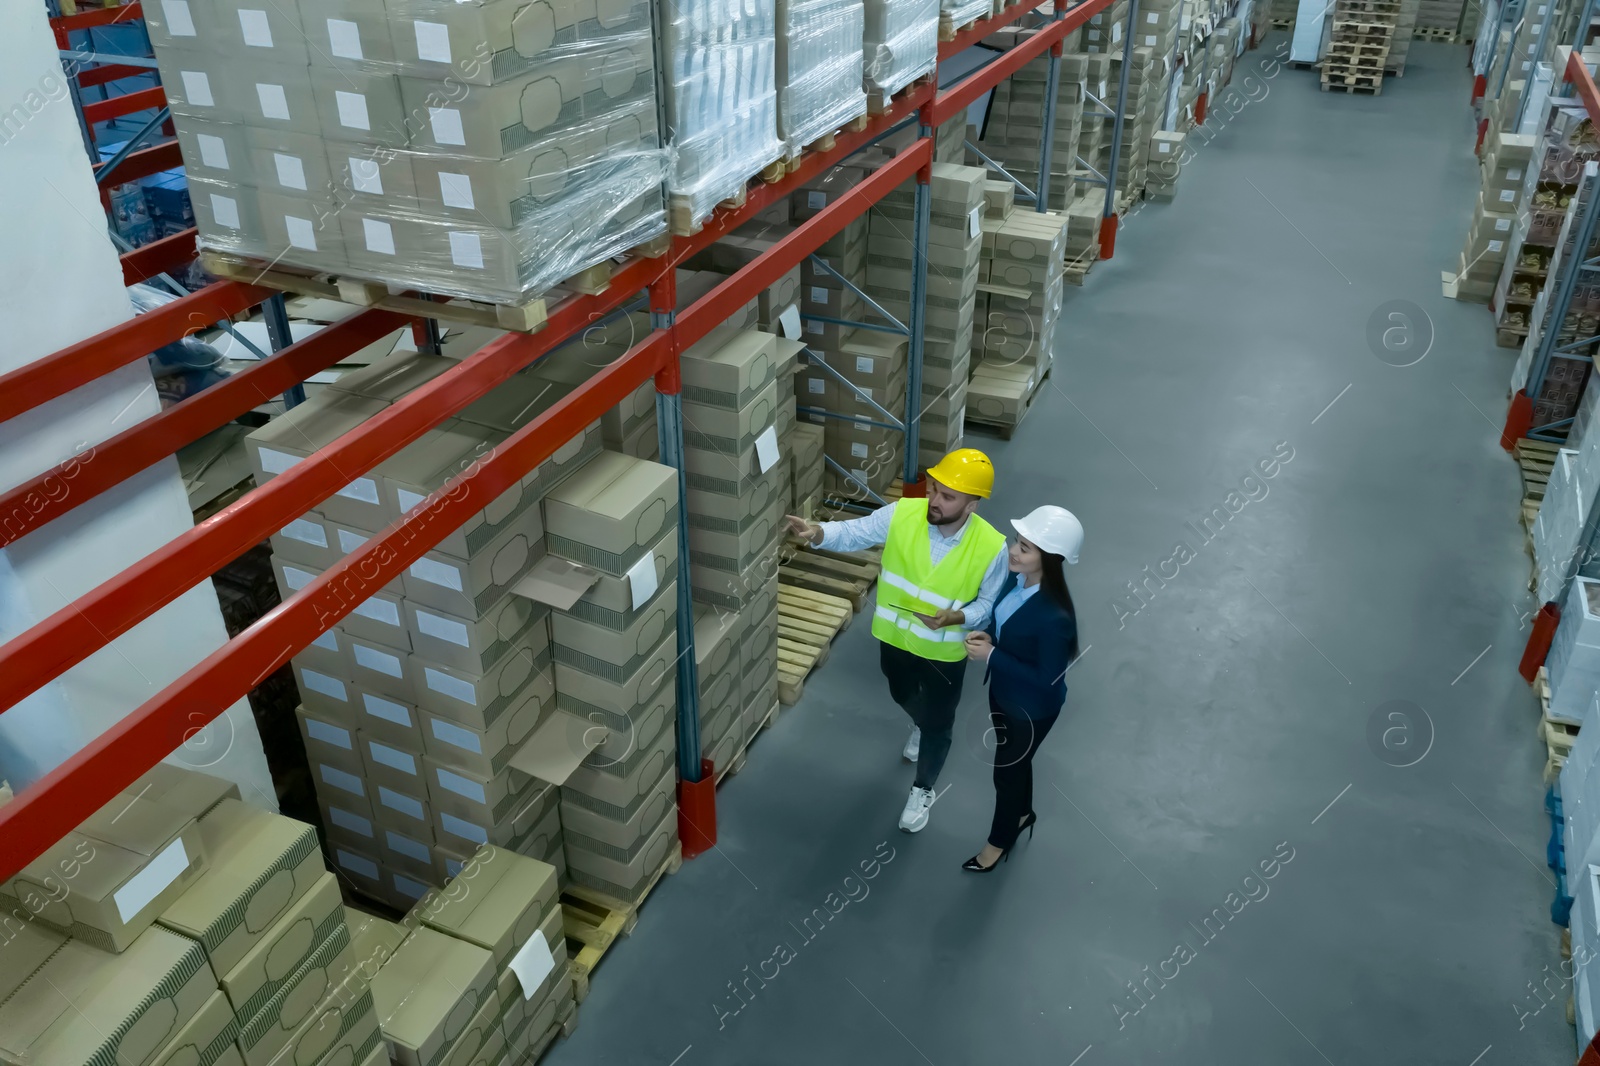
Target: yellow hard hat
[[965, 470]]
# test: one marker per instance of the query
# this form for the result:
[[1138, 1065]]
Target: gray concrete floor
[[1226, 720]]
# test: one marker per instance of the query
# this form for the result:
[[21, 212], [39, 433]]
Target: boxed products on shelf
[[457, 148], [901, 44], [819, 69]]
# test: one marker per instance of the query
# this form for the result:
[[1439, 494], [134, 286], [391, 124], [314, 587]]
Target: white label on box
[[767, 449], [399, 801], [1116, 32], [412, 888], [213, 151], [1150, 42], [273, 103], [393, 758], [464, 829], [197, 87], [327, 641], [1497, 246], [456, 736], [329, 734], [789, 322], [306, 533], [975, 221], [813, 327], [296, 578], [344, 39], [858, 450], [1508, 195], [1164, 148], [365, 176], [816, 200], [864, 364], [433, 625], [180, 22], [226, 211], [363, 489], [379, 611], [388, 710], [291, 172], [143, 887], [461, 786], [819, 294], [373, 659], [357, 864], [466, 249], [816, 386], [349, 541], [455, 190], [1152, 18], [274, 462], [352, 109], [1515, 174], [411, 849], [1501, 225], [379, 235], [353, 823], [532, 963], [1183, 23], [331, 687], [301, 233], [253, 25], [445, 122], [433, 41], [453, 687], [642, 582], [436, 573], [342, 780], [407, 499]]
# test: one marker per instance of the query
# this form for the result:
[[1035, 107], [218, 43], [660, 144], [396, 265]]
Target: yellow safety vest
[[910, 584]]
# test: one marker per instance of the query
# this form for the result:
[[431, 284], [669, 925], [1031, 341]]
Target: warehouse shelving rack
[[41, 813]]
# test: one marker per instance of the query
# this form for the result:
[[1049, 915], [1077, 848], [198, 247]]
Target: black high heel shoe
[[1027, 823], [972, 863]]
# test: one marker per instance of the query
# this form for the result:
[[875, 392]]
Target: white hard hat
[[1052, 529]]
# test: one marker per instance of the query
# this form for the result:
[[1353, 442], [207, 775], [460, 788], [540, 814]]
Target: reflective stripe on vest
[[911, 583]]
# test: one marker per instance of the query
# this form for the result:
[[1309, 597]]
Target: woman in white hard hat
[[1028, 645]]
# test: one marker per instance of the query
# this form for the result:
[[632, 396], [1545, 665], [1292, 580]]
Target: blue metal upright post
[[1052, 87], [922, 208], [1108, 221], [276, 314]]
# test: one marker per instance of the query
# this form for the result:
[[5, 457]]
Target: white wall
[[59, 283]]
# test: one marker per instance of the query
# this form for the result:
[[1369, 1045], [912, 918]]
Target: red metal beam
[[83, 477], [127, 104], [959, 96], [143, 162], [1578, 74], [113, 72], [56, 375], [42, 813], [158, 257]]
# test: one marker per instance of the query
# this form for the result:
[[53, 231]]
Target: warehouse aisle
[[1231, 721]]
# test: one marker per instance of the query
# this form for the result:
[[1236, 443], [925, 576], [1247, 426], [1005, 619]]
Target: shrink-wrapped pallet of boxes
[[819, 70], [901, 45], [475, 149]]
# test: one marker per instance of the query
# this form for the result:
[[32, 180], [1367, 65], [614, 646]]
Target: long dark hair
[[1054, 580]]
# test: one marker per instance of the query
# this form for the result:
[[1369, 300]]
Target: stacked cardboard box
[[614, 650], [415, 704], [716, 651], [819, 69], [340, 139], [721, 102], [1093, 69], [1014, 132], [900, 45], [1166, 163], [1024, 263]]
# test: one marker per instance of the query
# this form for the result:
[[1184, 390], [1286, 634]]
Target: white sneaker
[[913, 746], [915, 816]]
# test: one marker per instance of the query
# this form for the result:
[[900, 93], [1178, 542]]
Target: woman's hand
[[979, 646], [940, 619]]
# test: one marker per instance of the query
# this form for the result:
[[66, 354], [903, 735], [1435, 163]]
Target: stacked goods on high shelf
[[1506, 178], [1515, 51], [1576, 856], [721, 103], [1557, 537], [950, 140], [451, 147], [416, 706], [1166, 164], [1093, 71], [1023, 272], [1013, 131], [901, 44], [819, 70], [180, 924], [1361, 36], [955, 239], [958, 14]]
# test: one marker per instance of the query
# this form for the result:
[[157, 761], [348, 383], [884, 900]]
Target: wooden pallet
[[808, 621], [832, 498], [878, 102], [740, 757], [1433, 33], [594, 921], [825, 143], [847, 576], [564, 1026], [1376, 51], [680, 209], [948, 29], [1366, 84], [522, 318], [1535, 459]]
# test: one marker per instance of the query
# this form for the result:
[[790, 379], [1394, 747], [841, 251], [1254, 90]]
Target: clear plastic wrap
[[961, 12], [901, 42], [486, 149], [819, 69], [720, 59]]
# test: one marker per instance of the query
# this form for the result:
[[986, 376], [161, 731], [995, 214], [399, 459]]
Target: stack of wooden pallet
[[1358, 48]]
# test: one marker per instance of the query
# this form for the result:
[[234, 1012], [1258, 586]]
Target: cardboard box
[[265, 1035], [731, 473], [471, 588], [596, 698], [410, 476], [590, 831], [273, 96], [614, 655], [463, 835], [609, 602], [365, 177], [477, 700], [380, 668], [737, 552], [215, 150], [474, 643], [392, 767], [486, 43], [200, 85], [377, 617], [346, 33], [361, 106], [340, 787], [507, 896], [736, 591], [306, 428], [349, 823], [342, 1027], [307, 543], [387, 720], [206, 1039], [717, 428], [260, 31], [608, 514], [407, 810], [84, 1005], [625, 879], [268, 966], [428, 992], [261, 864], [729, 370], [329, 739], [483, 752], [615, 795], [184, 789]]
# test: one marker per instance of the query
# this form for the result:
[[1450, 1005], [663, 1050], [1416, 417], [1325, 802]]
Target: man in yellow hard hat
[[943, 567]]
